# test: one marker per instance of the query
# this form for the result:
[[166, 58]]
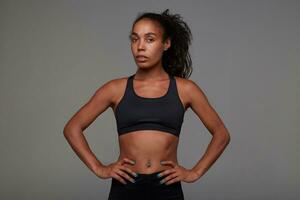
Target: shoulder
[[191, 90], [182, 82], [187, 85], [111, 89], [113, 84]]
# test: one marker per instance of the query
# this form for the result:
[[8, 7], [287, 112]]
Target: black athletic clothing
[[164, 113], [146, 187]]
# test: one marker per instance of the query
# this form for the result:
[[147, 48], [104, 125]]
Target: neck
[[154, 73]]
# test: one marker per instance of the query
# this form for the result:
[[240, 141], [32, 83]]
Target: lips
[[141, 58]]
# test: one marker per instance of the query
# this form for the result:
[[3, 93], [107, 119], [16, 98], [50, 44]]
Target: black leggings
[[146, 187]]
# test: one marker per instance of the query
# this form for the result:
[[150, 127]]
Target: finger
[[174, 180], [168, 162], [169, 177], [125, 175], [119, 178], [129, 171], [126, 160], [166, 172]]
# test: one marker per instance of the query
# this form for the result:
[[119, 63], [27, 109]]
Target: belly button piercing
[[148, 164]]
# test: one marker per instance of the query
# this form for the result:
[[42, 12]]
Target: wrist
[[198, 172], [98, 170]]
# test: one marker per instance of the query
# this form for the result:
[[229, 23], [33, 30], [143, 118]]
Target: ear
[[167, 44]]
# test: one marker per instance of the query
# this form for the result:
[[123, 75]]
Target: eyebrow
[[150, 33]]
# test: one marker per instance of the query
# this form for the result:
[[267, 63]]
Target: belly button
[[148, 164]]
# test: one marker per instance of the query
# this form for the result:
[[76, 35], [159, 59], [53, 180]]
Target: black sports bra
[[164, 113]]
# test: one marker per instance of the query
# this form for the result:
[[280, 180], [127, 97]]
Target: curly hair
[[176, 60]]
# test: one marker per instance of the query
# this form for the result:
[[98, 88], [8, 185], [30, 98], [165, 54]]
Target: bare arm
[[206, 113], [73, 130]]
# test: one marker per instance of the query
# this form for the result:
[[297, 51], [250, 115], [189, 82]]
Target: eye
[[133, 39], [150, 39]]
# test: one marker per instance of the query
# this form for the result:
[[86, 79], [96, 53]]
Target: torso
[[148, 147]]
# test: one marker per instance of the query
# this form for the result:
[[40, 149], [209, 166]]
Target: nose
[[140, 45]]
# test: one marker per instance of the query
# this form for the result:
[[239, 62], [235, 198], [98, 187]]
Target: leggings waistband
[[146, 186], [149, 176]]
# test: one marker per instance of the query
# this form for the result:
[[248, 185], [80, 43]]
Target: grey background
[[55, 54]]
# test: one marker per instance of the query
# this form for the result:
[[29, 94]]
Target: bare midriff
[[147, 148]]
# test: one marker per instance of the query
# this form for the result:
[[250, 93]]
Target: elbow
[[67, 131], [67, 128], [70, 130], [223, 136], [224, 140], [227, 138]]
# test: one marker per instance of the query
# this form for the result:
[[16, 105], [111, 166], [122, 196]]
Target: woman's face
[[146, 40]]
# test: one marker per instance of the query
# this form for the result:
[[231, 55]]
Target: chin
[[143, 65]]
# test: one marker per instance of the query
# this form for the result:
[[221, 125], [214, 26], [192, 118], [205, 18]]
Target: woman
[[149, 107]]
